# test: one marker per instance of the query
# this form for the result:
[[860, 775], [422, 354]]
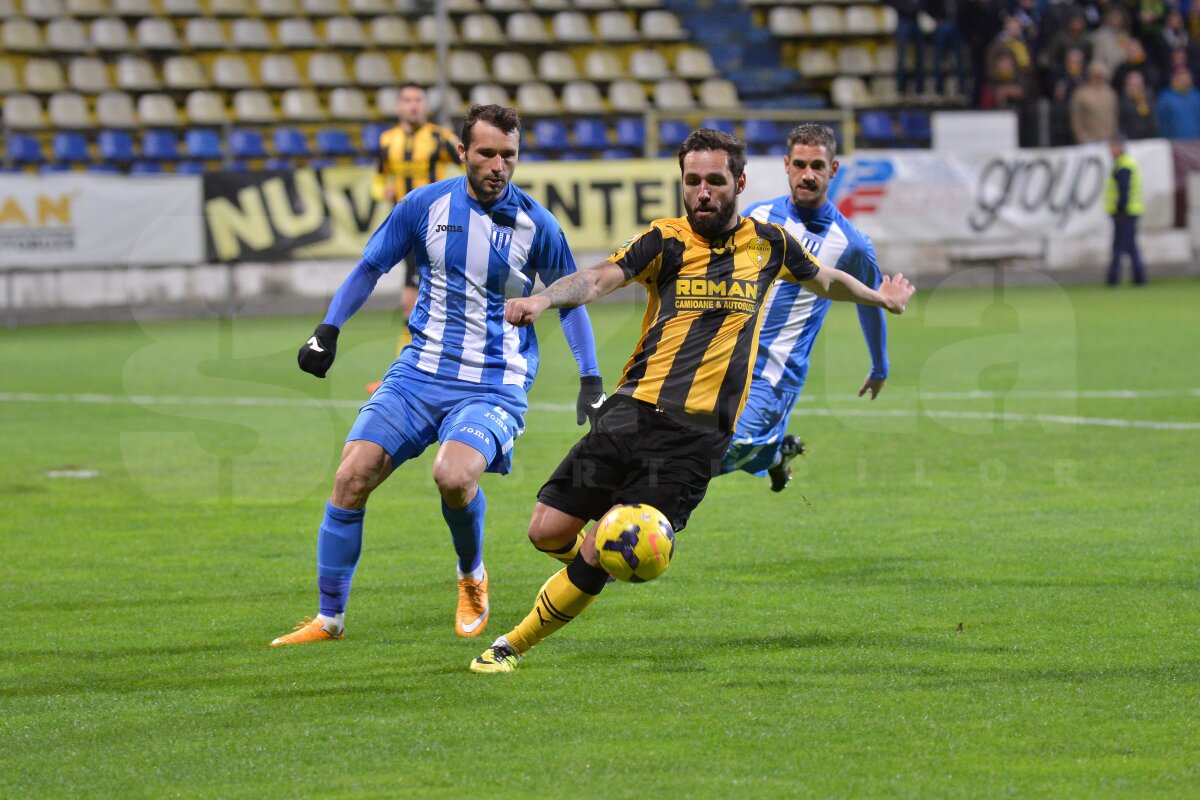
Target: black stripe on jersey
[[664, 288], [434, 154], [678, 385]]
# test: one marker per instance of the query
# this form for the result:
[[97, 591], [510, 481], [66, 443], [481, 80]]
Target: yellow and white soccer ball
[[635, 543]]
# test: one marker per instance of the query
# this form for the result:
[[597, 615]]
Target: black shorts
[[412, 278], [637, 454]]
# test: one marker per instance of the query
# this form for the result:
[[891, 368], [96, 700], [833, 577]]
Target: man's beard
[[478, 183], [712, 227]]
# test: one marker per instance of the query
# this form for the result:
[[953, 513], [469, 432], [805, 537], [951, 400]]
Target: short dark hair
[[812, 134], [501, 117], [411, 85], [709, 139]]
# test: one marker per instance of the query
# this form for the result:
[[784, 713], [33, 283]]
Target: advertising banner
[[83, 220]]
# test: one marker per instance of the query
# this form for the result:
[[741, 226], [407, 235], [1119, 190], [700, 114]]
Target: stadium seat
[[43, 10], [297, 33], [718, 93], [190, 168], [109, 35], [115, 110], [24, 149], [301, 105], [512, 68], [290, 142], [419, 68], [115, 146], [787, 22], [582, 97], [136, 74], [245, 143], [87, 9], [547, 6], [369, 138], [661, 26], [483, 94], [914, 126], [535, 97], [590, 133], [250, 34], [21, 35], [816, 62], [427, 31], [154, 34], [506, 5], [8, 77], [555, 66], [146, 168], [184, 72], [327, 70], [694, 63], [202, 143], [863, 21], [648, 65], [68, 110], [43, 76], [200, 33], [610, 153], [23, 112], [88, 74], [673, 94], [373, 8], [825, 20], [70, 148], [466, 67], [348, 103], [386, 100], [253, 106], [334, 142], [66, 35], [278, 71], [205, 108], [160, 145], [631, 132], [181, 8], [572, 27], [723, 125], [602, 64], [524, 28], [550, 134], [133, 8], [320, 8], [157, 110], [345, 32], [762, 132], [594, 5], [626, 96], [229, 8], [849, 91], [482, 29], [672, 132], [276, 8], [453, 103], [373, 69], [876, 128], [855, 59], [389, 31], [616, 27]]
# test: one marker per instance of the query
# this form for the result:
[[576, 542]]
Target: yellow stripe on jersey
[[700, 331], [408, 161]]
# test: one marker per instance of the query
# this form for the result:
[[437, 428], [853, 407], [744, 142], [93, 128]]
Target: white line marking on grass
[[286, 402]]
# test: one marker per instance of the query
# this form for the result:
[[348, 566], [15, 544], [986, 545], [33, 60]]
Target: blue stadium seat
[[24, 149], [277, 164], [723, 125], [70, 147], [618, 152], [370, 135], [591, 133], [631, 132], [50, 169], [672, 132], [160, 145], [776, 149], [875, 127], [550, 134], [202, 143], [290, 142], [914, 126], [146, 168], [115, 146], [246, 144], [107, 169], [190, 168], [573, 155], [334, 142], [321, 163], [762, 132], [533, 155]]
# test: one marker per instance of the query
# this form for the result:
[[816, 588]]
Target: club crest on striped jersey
[[501, 236], [759, 250]]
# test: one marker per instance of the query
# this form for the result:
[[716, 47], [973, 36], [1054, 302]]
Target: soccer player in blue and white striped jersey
[[792, 316], [462, 382]]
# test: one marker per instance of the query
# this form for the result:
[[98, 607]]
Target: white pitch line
[[292, 402]]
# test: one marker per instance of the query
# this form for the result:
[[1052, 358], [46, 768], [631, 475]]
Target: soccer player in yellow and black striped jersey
[[660, 438], [414, 153]]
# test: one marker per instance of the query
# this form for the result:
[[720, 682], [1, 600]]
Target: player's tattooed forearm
[[569, 292]]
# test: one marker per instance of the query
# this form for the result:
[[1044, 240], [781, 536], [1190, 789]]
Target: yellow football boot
[[500, 657], [307, 630], [472, 615]]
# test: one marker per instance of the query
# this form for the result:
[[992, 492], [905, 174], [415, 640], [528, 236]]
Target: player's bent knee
[[550, 529], [453, 480]]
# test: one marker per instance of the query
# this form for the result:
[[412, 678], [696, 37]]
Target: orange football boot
[[307, 630], [472, 615]]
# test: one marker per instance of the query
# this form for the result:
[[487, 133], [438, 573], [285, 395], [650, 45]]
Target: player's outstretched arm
[[576, 289], [317, 354], [835, 284]]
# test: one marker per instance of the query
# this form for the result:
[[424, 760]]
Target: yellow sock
[[558, 602], [567, 554]]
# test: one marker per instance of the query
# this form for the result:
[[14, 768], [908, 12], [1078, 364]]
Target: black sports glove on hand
[[591, 397], [316, 355]]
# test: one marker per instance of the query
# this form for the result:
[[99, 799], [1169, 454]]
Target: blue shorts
[[413, 409], [760, 429]]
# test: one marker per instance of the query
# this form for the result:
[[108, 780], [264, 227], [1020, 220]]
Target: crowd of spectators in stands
[[1105, 66]]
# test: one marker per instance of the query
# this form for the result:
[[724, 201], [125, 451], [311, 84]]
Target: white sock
[[475, 575], [333, 624]]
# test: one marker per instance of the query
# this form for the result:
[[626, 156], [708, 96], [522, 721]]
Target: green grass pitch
[[983, 584]]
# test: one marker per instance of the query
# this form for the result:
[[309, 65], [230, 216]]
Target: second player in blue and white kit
[[462, 382], [792, 315]]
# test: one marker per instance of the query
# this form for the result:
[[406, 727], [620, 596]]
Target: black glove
[[591, 397], [316, 355]]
